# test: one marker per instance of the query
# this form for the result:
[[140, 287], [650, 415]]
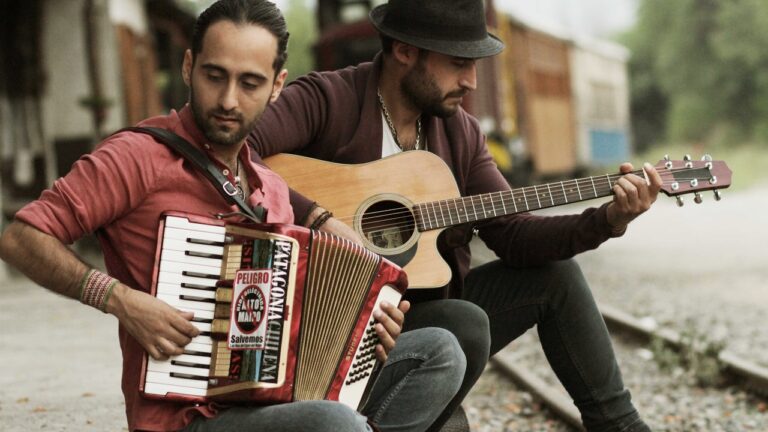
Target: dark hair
[[387, 43], [257, 12]]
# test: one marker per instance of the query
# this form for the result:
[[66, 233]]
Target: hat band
[[437, 31]]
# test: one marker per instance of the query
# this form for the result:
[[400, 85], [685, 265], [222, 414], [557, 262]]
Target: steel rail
[[747, 374]]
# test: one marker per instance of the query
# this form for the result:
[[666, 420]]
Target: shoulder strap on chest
[[201, 161]]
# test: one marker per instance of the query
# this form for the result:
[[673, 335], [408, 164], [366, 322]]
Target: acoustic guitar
[[400, 204]]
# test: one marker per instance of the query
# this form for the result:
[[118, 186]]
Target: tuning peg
[[718, 197], [707, 159], [680, 201], [697, 198], [667, 162], [688, 161]]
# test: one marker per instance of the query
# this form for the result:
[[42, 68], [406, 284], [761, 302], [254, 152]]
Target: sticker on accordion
[[250, 300]]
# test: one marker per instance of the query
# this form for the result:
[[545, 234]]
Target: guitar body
[[367, 196]]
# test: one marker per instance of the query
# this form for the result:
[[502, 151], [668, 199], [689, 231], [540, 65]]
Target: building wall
[[546, 109], [68, 79], [601, 95]]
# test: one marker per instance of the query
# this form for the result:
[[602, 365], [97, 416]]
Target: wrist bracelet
[[96, 288], [320, 220]]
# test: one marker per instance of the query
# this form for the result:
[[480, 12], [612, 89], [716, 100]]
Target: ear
[[186, 67], [278, 85], [404, 54]]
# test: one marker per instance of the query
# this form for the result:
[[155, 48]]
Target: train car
[[540, 70], [601, 98], [542, 102]]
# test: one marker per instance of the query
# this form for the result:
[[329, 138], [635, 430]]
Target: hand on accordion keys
[[162, 330], [390, 324]]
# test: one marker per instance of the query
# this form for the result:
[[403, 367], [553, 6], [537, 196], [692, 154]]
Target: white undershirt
[[388, 145]]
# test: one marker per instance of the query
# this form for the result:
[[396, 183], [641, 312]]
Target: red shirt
[[121, 189]]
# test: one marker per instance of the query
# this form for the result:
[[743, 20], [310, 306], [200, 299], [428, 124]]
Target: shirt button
[[207, 146], [225, 172]]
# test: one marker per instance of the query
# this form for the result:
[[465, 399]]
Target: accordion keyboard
[[188, 245]]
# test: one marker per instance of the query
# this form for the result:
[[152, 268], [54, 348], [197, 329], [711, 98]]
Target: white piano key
[[194, 359], [163, 389], [196, 347], [177, 278], [186, 305], [176, 290], [159, 365], [164, 378], [203, 327], [167, 367], [203, 314], [183, 245], [192, 262], [184, 223], [179, 267], [203, 340], [183, 234]]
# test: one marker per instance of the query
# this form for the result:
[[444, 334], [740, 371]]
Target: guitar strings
[[498, 202], [403, 218], [444, 212]]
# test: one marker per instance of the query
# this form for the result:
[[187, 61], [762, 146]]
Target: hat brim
[[487, 47]]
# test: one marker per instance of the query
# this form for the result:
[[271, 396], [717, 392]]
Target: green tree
[[699, 67], [303, 29]]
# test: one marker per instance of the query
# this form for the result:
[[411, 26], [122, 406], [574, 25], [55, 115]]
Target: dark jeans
[[421, 375], [556, 299], [469, 324]]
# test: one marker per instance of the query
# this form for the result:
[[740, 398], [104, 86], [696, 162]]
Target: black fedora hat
[[452, 27]]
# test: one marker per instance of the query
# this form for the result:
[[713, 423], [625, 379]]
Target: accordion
[[285, 313]]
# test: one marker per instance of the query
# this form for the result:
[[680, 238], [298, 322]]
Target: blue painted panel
[[608, 146]]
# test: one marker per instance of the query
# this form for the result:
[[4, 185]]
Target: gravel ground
[[698, 269]]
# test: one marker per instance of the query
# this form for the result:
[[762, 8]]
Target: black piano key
[[190, 364], [203, 255], [204, 242], [198, 286], [197, 353], [196, 299], [188, 376], [200, 275]]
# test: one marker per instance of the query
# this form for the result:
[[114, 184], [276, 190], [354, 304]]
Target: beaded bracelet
[[96, 288], [320, 220]]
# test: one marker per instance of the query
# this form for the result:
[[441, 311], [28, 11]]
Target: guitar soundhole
[[388, 224]]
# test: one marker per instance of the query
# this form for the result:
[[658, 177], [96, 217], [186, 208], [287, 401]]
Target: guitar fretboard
[[445, 213]]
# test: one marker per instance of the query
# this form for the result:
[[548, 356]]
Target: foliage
[[303, 29], [696, 354], [699, 66]]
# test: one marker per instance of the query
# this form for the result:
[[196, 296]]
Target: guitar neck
[[446, 213]]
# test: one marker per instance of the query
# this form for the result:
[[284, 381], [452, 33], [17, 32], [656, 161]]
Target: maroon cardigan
[[335, 116]]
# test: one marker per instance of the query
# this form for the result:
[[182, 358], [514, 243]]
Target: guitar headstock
[[689, 176]]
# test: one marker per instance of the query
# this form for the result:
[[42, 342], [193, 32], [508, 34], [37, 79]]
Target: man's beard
[[221, 135], [423, 93]]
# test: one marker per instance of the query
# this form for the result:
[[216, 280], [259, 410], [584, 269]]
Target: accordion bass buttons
[[364, 360]]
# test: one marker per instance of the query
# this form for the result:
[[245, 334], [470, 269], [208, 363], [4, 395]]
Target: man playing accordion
[[120, 190]]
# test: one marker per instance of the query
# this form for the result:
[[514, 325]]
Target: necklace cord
[[391, 125]]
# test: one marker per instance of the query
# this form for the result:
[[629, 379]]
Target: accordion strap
[[204, 164]]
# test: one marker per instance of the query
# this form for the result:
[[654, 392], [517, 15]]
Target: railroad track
[[743, 373]]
